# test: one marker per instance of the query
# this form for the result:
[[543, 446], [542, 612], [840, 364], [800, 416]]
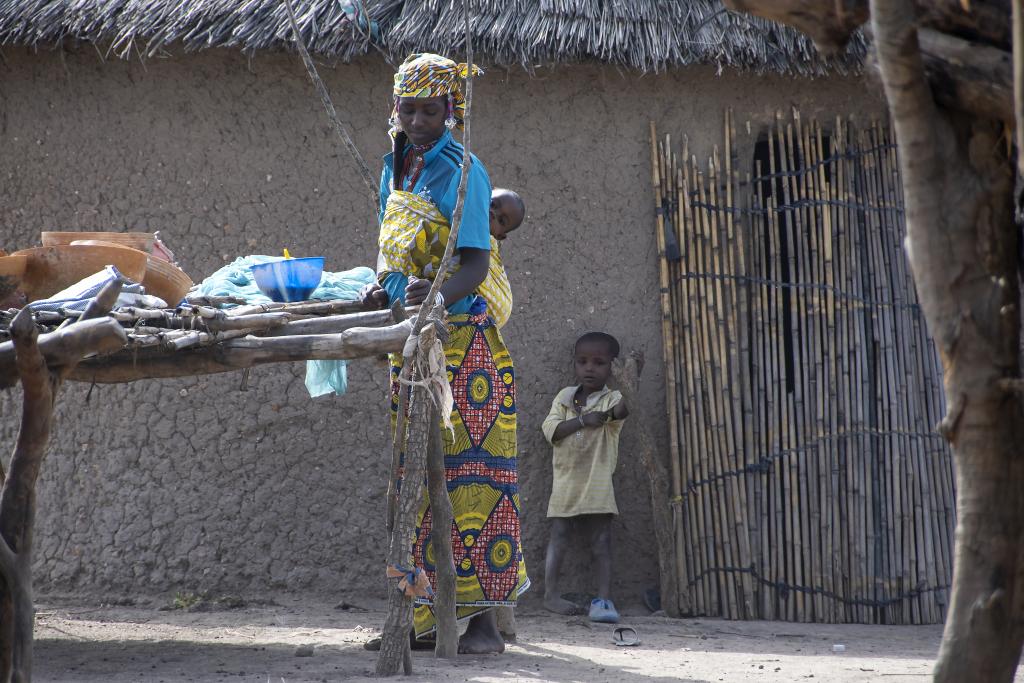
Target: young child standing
[[583, 426]]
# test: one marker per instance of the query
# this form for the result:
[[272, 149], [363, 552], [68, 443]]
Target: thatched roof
[[639, 34]]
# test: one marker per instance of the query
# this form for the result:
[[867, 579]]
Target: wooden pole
[[713, 339], [695, 429], [702, 382], [797, 405], [332, 114], [829, 380], [399, 615], [667, 341], [811, 355], [687, 535], [735, 242], [762, 384], [40, 385], [447, 645]]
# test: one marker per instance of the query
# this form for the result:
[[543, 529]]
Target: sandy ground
[[265, 643]]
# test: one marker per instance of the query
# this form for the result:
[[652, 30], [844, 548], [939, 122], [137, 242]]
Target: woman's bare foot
[[482, 636], [558, 605]]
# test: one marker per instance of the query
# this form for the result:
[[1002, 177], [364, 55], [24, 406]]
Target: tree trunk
[[830, 24], [968, 76], [962, 247], [18, 493], [17, 502]]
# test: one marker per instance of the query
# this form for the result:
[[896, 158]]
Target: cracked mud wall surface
[[196, 484]]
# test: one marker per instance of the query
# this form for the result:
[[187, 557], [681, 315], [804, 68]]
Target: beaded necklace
[[413, 164]]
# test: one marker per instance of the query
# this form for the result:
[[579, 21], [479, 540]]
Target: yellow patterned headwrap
[[424, 74]]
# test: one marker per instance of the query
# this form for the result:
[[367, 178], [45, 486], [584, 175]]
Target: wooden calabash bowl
[[143, 241], [50, 269], [12, 272]]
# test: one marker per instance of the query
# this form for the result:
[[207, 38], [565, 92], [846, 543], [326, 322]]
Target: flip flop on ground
[[625, 636]]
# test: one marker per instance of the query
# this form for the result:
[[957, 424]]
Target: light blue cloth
[[235, 279]]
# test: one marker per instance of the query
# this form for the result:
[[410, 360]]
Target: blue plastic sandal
[[603, 611]]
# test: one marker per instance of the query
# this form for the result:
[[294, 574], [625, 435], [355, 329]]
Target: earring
[[450, 121]]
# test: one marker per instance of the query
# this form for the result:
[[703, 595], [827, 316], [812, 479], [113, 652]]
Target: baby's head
[[592, 359], [507, 212]]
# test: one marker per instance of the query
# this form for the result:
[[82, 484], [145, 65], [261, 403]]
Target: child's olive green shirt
[[583, 462]]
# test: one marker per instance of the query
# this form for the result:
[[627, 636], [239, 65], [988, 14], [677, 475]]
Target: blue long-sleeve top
[[439, 182]]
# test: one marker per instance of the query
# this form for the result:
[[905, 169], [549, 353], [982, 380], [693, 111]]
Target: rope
[[832, 289], [426, 352], [798, 204], [786, 588], [765, 463], [848, 156]]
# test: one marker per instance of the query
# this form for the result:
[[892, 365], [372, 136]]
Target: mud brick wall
[[199, 484]]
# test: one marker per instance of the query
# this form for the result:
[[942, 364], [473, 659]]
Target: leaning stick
[[691, 428], [666, 329], [694, 426], [735, 384], [729, 501], [822, 347], [760, 383], [797, 403], [395, 646], [723, 545], [441, 518], [862, 558], [394, 641], [332, 114], [701, 494], [776, 390], [889, 404]]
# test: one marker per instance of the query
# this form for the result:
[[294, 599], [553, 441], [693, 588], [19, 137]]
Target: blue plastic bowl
[[291, 279]]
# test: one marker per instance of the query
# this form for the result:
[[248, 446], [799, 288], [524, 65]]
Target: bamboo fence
[[802, 386]]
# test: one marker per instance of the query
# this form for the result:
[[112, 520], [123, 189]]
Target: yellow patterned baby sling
[[413, 236], [496, 289]]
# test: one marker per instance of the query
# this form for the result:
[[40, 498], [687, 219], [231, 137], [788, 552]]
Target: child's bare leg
[[557, 544], [601, 547]]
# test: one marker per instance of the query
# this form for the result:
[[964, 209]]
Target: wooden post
[[447, 646], [17, 495], [17, 502], [394, 647]]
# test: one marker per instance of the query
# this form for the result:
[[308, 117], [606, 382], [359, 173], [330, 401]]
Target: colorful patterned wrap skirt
[[480, 466]]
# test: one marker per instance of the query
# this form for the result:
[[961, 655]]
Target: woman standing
[[418, 189]]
